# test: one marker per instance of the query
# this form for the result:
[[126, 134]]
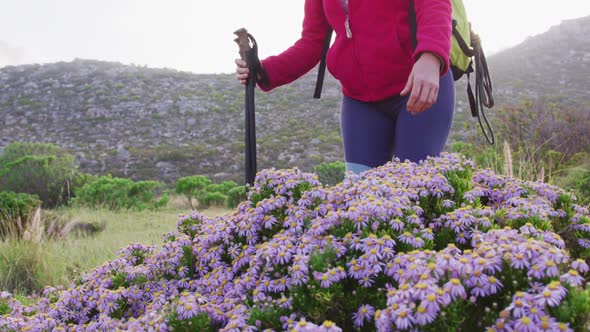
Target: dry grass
[[40, 258]]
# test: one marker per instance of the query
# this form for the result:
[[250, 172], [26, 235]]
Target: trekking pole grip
[[243, 42]]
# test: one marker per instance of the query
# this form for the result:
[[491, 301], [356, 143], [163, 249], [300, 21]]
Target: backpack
[[466, 52]]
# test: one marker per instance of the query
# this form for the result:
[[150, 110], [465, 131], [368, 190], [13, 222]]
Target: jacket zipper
[[344, 4]]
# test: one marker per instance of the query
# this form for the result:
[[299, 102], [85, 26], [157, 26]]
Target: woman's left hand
[[423, 83]]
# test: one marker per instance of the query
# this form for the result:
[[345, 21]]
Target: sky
[[197, 35]]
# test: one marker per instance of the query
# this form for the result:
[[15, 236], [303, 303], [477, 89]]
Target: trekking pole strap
[[322, 68]]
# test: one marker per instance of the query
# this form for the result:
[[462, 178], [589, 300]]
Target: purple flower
[[288, 322], [573, 278], [580, 265], [525, 324], [551, 295], [455, 288], [520, 304], [584, 243], [364, 312], [403, 318], [519, 261], [448, 203], [329, 326], [549, 266], [425, 316], [493, 285], [186, 309]]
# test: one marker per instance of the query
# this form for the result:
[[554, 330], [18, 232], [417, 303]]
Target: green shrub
[[223, 187], [16, 208], [578, 180], [120, 193], [191, 186], [330, 173], [213, 193], [208, 199], [463, 148], [41, 169], [235, 196]]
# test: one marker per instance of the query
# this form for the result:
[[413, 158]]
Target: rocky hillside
[[553, 65], [148, 123], [155, 123]]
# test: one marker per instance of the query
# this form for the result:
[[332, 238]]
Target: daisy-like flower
[[536, 272], [520, 304], [584, 243], [430, 302], [364, 313], [186, 310], [573, 278], [407, 238], [580, 265], [551, 295], [455, 288], [288, 321], [447, 203], [403, 318], [549, 266], [519, 261], [425, 316], [493, 285], [329, 326], [525, 324]]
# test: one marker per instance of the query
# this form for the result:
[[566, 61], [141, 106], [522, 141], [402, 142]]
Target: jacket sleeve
[[434, 21], [304, 55]]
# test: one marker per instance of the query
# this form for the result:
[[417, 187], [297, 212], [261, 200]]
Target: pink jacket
[[375, 62]]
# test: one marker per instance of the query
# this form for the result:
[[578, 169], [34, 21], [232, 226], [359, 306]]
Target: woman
[[398, 101]]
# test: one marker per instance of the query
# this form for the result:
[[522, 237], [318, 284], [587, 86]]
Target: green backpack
[[461, 51], [466, 53]]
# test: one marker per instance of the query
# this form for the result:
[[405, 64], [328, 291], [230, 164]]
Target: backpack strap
[[322, 69], [413, 25], [468, 51]]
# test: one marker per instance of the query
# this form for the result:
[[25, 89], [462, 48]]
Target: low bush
[[235, 196], [330, 173], [120, 193], [191, 187], [39, 169]]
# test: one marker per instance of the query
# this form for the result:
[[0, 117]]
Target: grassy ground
[[28, 265]]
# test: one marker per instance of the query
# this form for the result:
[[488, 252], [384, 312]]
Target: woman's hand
[[242, 71], [423, 83]]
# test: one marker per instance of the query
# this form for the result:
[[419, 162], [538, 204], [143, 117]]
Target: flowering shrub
[[429, 247]]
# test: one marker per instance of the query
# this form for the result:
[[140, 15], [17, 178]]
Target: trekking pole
[[250, 55]]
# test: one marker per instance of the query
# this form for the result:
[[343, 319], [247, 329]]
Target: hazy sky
[[197, 35]]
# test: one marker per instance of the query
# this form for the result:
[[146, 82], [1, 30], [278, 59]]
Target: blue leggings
[[375, 132]]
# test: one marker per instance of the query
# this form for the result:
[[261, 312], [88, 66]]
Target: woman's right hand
[[242, 71]]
